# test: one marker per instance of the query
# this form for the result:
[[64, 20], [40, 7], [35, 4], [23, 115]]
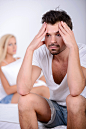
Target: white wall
[[23, 18]]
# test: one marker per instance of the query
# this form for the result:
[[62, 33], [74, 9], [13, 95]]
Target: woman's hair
[[54, 16], [3, 45]]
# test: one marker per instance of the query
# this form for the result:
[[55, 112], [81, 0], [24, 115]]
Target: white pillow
[[11, 71]]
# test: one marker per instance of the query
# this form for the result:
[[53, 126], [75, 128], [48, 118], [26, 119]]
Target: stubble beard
[[56, 51]]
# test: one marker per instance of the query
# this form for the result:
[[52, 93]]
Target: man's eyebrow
[[55, 32], [47, 33]]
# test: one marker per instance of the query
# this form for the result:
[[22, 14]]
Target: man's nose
[[53, 39]]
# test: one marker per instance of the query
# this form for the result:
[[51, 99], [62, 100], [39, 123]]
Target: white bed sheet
[[9, 117]]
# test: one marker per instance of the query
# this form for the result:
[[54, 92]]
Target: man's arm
[[84, 72], [28, 73], [75, 76]]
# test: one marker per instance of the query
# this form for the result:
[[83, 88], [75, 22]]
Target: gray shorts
[[58, 115]]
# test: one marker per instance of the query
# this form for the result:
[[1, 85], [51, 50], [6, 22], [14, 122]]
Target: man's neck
[[62, 57]]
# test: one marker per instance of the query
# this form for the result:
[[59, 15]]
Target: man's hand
[[36, 42], [67, 35]]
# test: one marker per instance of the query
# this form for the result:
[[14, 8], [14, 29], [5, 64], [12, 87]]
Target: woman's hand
[[36, 42]]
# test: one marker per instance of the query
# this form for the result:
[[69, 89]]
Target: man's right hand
[[36, 42]]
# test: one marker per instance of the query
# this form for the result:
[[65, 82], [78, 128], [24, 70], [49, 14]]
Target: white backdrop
[[22, 18]]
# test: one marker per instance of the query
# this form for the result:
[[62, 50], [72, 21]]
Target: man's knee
[[75, 104], [26, 102]]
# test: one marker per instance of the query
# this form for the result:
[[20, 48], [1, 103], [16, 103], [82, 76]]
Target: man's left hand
[[67, 35]]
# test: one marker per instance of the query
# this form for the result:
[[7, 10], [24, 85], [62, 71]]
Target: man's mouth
[[53, 46]]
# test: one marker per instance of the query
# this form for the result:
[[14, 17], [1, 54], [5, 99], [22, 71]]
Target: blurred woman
[[8, 94]]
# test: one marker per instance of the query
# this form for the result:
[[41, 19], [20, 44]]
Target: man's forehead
[[52, 28]]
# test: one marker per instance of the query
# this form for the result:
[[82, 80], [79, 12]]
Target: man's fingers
[[65, 26], [42, 30], [62, 28], [42, 36], [61, 33]]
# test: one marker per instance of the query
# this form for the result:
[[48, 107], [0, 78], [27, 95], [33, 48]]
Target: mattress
[[9, 118]]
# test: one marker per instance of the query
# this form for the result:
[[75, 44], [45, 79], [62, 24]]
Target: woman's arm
[[8, 89]]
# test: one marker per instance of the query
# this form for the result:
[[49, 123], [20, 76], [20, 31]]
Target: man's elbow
[[23, 90], [74, 93], [77, 90]]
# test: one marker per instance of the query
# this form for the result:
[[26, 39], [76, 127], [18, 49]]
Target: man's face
[[53, 39]]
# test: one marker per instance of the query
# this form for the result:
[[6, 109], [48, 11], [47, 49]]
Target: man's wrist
[[74, 47], [30, 49], [74, 50]]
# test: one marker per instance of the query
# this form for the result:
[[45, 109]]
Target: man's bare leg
[[76, 107], [33, 107]]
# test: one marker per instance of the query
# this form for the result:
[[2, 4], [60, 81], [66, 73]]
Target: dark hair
[[53, 16]]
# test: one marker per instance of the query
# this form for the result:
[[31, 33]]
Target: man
[[58, 58]]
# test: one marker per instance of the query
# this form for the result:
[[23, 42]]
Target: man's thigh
[[40, 106]]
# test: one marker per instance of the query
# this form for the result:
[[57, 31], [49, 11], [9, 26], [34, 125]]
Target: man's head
[[52, 17], [53, 39]]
